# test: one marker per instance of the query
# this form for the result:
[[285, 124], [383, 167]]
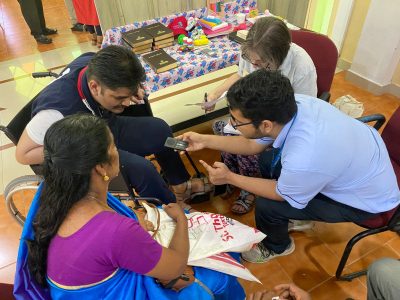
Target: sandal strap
[[243, 202]]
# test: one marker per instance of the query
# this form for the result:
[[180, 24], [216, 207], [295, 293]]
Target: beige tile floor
[[313, 263]]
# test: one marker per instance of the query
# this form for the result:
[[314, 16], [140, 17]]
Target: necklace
[[99, 202]]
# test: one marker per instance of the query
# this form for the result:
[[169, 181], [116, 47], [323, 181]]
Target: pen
[[205, 101]]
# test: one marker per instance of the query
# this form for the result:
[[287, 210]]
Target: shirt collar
[[287, 61], [89, 98], [283, 134]]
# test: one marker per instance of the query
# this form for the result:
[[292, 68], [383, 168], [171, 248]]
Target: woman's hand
[[174, 211], [210, 97], [148, 226]]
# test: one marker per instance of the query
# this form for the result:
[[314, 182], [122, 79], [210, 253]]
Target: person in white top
[[268, 45]]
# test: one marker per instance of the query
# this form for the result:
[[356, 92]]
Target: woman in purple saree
[[79, 242]]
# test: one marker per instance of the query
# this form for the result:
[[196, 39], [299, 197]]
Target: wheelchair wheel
[[19, 194]]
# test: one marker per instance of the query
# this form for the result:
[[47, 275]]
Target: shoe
[[78, 27], [187, 195], [300, 225], [260, 254], [42, 39], [49, 31]]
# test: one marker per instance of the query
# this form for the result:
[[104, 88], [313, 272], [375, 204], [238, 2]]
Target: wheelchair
[[19, 193]]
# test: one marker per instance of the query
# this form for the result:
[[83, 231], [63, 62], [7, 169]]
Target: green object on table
[[180, 39]]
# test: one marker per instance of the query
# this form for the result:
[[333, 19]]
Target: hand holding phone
[[176, 144]]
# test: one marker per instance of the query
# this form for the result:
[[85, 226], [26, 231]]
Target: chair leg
[[347, 250]]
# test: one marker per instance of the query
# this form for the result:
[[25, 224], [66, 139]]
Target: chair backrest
[[17, 125], [323, 53], [391, 137], [6, 291]]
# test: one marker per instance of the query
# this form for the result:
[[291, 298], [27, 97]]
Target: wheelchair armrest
[[9, 134], [379, 120], [44, 74], [155, 201], [326, 96]]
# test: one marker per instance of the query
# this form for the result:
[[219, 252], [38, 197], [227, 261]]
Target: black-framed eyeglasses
[[235, 123], [257, 63]]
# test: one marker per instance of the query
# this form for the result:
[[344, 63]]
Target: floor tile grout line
[[362, 282], [6, 266], [284, 271], [319, 284], [390, 246]]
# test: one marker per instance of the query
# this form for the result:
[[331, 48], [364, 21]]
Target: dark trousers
[[272, 216], [32, 10], [136, 137]]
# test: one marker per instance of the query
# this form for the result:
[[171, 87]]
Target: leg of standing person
[[99, 35], [72, 15], [383, 280], [32, 11], [92, 32], [45, 29]]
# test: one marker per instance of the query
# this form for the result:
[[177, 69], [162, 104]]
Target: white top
[[38, 125], [297, 66], [328, 152]]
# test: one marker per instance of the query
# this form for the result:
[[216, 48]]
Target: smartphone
[[176, 144]]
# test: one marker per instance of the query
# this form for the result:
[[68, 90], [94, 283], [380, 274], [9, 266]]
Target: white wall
[[378, 50]]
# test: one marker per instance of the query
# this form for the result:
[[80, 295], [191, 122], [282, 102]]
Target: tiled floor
[[313, 263], [15, 38]]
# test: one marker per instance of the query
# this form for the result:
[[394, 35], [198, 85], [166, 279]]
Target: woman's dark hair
[[270, 39], [263, 95], [116, 67], [73, 146]]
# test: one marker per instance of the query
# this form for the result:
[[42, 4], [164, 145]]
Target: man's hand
[[196, 141], [290, 291], [263, 295], [218, 173], [138, 98]]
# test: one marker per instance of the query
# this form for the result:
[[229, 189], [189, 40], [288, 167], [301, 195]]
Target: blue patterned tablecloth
[[190, 64]]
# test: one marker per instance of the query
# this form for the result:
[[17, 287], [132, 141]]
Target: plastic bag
[[349, 106], [225, 263], [209, 233]]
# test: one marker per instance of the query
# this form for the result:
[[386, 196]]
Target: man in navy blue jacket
[[104, 84]]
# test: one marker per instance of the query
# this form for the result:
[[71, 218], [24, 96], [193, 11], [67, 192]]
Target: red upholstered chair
[[6, 291], [389, 220], [323, 53]]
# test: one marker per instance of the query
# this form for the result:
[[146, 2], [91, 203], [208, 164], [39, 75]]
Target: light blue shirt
[[330, 153]]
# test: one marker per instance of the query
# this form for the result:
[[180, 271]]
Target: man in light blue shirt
[[323, 165]]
